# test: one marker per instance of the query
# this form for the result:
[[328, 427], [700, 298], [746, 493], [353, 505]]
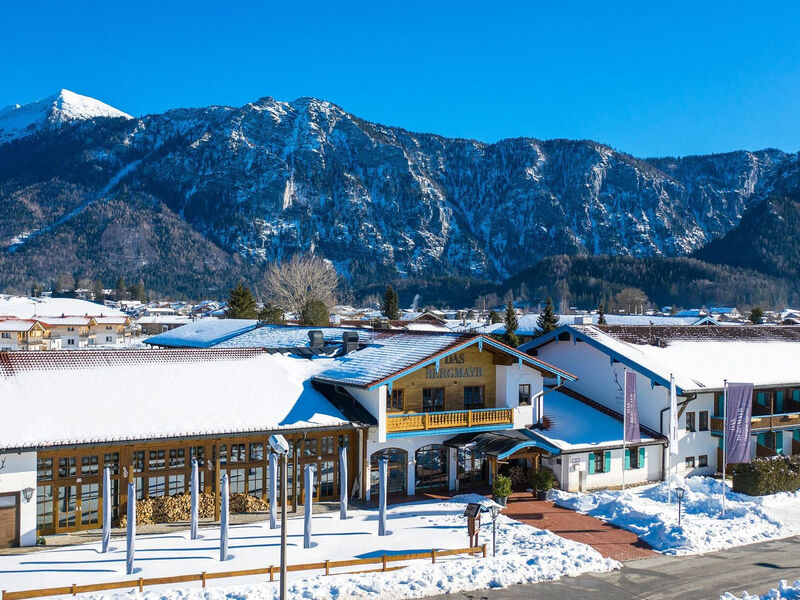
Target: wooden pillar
[[217, 476], [295, 478]]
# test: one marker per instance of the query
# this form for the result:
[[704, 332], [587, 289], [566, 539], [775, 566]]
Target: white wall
[[509, 378], [599, 380], [18, 473], [375, 402], [568, 472], [411, 445]]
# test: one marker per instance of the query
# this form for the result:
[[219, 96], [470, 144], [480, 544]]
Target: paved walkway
[[608, 540]]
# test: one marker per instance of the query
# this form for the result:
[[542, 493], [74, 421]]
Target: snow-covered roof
[[111, 320], [149, 394], [166, 319], [16, 324], [290, 336], [702, 357], [528, 323], [574, 425], [64, 321], [25, 307], [392, 354], [202, 333]]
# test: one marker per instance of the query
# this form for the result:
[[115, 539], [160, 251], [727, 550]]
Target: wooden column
[[217, 476]]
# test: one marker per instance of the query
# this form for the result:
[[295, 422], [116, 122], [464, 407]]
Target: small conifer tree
[[241, 304], [512, 323], [548, 320], [272, 314], [391, 304], [315, 313], [601, 315]]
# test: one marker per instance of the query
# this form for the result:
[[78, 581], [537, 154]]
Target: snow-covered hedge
[[767, 476]]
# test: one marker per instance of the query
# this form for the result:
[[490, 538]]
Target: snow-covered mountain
[[17, 120], [212, 194]]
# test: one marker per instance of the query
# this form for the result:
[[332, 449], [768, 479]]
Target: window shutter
[[591, 464], [607, 462], [642, 458], [778, 441], [627, 459]]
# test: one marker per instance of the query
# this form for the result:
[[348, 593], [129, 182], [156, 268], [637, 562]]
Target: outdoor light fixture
[[27, 493], [679, 493], [280, 447], [495, 510]]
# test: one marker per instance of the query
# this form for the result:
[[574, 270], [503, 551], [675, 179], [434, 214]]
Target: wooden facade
[[69, 480]]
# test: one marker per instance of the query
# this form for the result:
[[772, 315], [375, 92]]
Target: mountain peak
[[19, 120]]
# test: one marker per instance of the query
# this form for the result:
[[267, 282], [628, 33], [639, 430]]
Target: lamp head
[[27, 493], [495, 511], [679, 492], [279, 444]]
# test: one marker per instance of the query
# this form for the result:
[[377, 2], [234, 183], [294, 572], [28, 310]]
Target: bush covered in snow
[[767, 476]]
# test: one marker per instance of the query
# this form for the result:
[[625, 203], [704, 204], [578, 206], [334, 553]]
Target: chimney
[[349, 341], [315, 339]]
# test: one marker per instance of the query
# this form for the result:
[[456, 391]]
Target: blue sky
[[651, 79]]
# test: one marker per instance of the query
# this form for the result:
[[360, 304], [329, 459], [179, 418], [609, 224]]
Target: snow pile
[[646, 511], [784, 591], [524, 555]]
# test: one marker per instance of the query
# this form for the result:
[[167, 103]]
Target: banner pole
[[669, 446], [624, 420], [724, 439]]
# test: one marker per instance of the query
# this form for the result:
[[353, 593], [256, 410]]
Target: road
[[754, 568]]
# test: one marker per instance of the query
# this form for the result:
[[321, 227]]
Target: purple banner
[[632, 432], [739, 408]]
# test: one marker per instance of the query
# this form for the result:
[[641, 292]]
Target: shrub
[[546, 479], [502, 486], [767, 476]]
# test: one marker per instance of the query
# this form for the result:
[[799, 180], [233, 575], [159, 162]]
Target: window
[[690, 422], [109, 338], [702, 460], [66, 466], [70, 342], [256, 451], [6, 335], [311, 447], [598, 459], [44, 506], [138, 462], [524, 394], [634, 458], [237, 453], [254, 482], [111, 459], [236, 480], [473, 397], [703, 420], [197, 452], [432, 399], [157, 461], [175, 485], [44, 469], [395, 400], [327, 444], [344, 441], [156, 486], [177, 458], [89, 465], [690, 462], [70, 329]]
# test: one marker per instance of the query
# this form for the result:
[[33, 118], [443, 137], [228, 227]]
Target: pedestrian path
[[608, 540]]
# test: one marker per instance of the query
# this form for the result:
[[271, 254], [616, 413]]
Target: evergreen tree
[[512, 324], [756, 314], [99, 294], [548, 320], [601, 315], [121, 292], [391, 304], [494, 317], [272, 314], [241, 304], [140, 293], [315, 313]]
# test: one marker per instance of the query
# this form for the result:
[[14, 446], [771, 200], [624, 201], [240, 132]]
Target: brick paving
[[608, 540]]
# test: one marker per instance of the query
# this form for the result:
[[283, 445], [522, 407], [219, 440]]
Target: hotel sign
[[452, 369]]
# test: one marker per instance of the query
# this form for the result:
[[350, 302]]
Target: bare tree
[[291, 284]]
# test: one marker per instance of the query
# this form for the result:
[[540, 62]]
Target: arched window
[[398, 464], [431, 472], [473, 468]]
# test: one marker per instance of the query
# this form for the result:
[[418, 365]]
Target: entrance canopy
[[499, 444]]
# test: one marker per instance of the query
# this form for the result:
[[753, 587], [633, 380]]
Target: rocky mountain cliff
[[194, 197]]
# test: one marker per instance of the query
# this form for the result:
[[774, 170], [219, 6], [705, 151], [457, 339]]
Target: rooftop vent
[[349, 341], [315, 339], [583, 320]]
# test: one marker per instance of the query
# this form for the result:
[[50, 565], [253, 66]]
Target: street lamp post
[[280, 446], [679, 493], [495, 512]]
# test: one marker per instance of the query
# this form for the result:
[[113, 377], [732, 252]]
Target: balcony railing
[[450, 419], [764, 423]]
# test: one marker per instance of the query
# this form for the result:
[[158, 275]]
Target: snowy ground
[[645, 511], [784, 591], [524, 555]]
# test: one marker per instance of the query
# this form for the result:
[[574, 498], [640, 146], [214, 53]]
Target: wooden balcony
[[764, 423], [451, 419]]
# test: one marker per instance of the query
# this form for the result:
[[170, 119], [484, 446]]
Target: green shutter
[[779, 401], [607, 462], [778, 441], [796, 435], [591, 464], [627, 459], [642, 457], [761, 398]]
